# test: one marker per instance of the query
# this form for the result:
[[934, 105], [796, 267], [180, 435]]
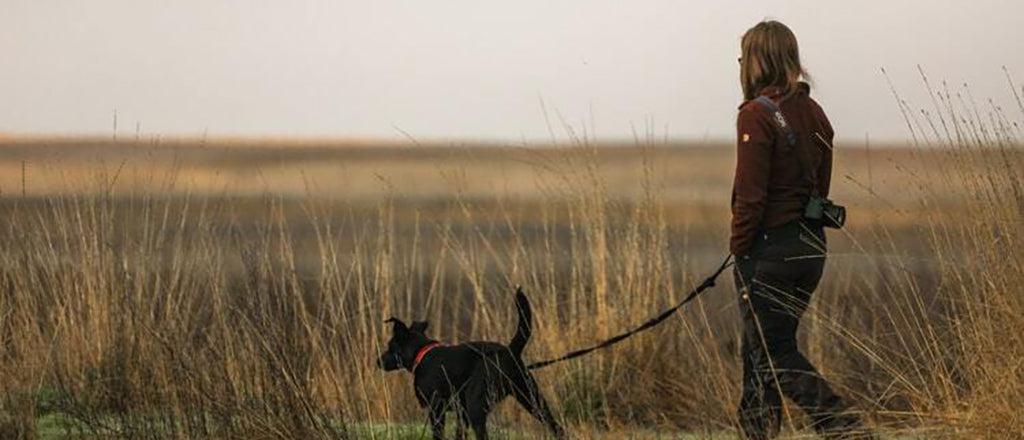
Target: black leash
[[708, 283]]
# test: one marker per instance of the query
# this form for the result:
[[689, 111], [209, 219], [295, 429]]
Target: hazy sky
[[472, 68]]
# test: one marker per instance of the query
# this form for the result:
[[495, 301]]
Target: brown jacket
[[770, 189]]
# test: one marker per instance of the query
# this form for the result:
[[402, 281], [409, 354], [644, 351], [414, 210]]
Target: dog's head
[[405, 341]]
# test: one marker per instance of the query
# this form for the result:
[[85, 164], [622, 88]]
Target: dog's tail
[[525, 326]]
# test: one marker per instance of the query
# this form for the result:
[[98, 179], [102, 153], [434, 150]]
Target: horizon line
[[353, 140]]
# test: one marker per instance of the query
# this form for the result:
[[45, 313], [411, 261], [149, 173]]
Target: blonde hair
[[770, 58]]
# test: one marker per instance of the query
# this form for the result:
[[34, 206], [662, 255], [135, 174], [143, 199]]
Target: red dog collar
[[423, 352]]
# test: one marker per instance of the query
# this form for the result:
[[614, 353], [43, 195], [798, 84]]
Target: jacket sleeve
[[755, 140], [825, 166]]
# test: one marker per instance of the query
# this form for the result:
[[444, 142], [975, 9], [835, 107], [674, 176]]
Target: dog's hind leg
[[528, 395]]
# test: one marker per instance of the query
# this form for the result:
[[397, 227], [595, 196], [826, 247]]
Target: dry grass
[[195, 289]]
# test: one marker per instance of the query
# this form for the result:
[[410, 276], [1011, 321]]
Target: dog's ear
[[397, 326], [419, 326]]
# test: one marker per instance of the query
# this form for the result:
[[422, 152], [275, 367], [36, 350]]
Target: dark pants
[[776, 282]]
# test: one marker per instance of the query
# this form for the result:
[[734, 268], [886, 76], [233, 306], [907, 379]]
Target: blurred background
[[472, 70]]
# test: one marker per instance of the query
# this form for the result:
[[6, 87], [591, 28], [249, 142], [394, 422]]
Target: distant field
[[237, 289], [682, 173]]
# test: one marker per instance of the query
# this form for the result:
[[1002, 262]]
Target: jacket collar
[[777, 93]]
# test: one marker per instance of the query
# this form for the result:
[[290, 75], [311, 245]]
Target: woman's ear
[[420, 326]]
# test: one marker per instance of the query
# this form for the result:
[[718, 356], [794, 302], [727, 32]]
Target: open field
[[237, 289]]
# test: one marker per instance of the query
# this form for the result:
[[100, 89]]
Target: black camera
[[823, 210]]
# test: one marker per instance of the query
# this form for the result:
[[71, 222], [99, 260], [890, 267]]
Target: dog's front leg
[[437, 407]]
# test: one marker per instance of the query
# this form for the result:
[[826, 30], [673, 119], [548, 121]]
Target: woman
[[780, 255]]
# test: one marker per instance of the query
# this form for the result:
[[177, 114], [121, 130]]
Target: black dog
[[475, 376]]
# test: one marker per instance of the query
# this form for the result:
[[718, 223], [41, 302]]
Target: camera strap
[[791, 138]]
